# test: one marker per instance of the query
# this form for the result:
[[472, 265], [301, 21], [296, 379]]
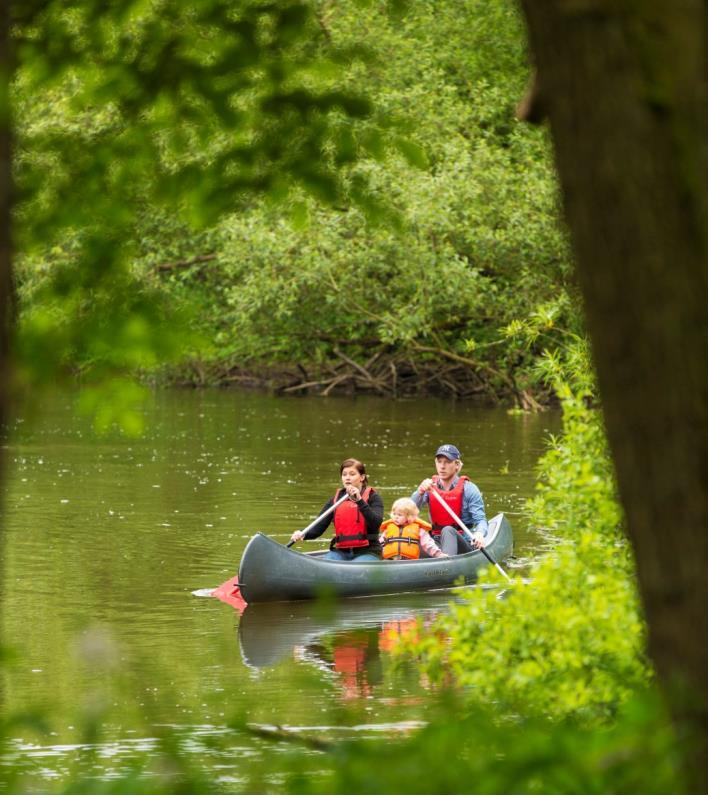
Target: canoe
[[270, 572]]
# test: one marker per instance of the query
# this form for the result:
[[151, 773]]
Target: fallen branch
[[334, 382], [529, 403], [279, 733], [307, 385], [389, 375], [353, 364], [374, 382], [455, 357]]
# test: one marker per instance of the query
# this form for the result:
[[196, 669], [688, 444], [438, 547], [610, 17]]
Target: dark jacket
[[372, 511]]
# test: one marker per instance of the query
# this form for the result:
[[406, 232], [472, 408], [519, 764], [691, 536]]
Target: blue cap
[[449, 451]]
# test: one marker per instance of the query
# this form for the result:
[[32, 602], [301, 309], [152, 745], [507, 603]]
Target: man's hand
[[425, 485], [478, 541], [298, 535]]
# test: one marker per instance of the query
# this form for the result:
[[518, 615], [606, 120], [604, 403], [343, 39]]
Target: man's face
[[445, 467]]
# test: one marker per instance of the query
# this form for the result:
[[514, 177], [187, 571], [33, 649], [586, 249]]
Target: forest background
[[367, 213], [450, 273]]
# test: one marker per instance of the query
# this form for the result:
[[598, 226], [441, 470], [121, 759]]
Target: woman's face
[[352, 477]]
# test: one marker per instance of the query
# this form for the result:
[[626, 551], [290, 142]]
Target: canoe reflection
[[353, 655], [359, 628]]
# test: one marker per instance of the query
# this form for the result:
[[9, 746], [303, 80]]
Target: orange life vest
[[402, 541], [349, 525], [393, 631], [438, 515]]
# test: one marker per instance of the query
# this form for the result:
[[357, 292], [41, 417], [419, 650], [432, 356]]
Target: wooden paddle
[[469, 533], [322, 515]]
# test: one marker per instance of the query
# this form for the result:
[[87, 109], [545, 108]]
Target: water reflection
[[346, 640], [354, 657], [268, 633]]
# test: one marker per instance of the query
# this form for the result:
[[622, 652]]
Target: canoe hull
[[270, 572]]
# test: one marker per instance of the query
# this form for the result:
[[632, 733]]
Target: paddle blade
[[230, 593]]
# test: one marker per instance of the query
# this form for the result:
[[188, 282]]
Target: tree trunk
[[6, 313], [625, 90]]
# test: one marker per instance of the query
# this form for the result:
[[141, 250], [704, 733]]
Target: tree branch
[[185, 263]]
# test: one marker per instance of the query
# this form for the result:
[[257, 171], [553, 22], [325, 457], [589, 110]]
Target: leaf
[[413, 153]]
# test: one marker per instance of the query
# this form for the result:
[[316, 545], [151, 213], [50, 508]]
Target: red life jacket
[[350, 658], [351, 661], [349, 525], [438, 515]]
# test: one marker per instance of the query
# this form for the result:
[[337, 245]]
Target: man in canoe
[[462, 497], [356, 519]]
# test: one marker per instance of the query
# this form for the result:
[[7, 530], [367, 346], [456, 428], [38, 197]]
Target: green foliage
[[480, 244], [478, 753], [455, 752], [141, 110], [569, 643], [139, 123], [146, 127], [205, 101]]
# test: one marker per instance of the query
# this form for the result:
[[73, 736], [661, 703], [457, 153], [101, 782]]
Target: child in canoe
[[404, 536]]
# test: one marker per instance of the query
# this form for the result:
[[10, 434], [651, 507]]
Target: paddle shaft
[[469, 533], [322, 515]]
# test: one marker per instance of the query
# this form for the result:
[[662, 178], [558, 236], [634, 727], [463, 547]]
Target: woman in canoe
[[356, 520]]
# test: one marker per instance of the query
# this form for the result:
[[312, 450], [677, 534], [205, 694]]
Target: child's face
[[400, 517]]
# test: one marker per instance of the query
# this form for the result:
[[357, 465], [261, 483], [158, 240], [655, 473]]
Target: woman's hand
[[425, 485], [298, 535], [354, 493], [478, 541]]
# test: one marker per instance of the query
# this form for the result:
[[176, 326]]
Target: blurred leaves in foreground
[[478, 751]]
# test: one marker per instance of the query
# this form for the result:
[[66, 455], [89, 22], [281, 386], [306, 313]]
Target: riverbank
[[388, 375]]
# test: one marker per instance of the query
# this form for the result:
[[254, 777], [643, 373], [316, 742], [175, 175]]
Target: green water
[[107, 537]]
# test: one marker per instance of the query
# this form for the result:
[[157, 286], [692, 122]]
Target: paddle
[[329, 510], [230, 591], [469, 533]]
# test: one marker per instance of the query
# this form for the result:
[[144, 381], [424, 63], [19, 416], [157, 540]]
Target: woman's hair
[[406, 506], [360, 468]]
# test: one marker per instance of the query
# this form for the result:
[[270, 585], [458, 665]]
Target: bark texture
[[625, 89], [6, 313]]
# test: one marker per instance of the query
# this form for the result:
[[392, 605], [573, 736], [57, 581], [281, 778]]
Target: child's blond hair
[[407, 507]]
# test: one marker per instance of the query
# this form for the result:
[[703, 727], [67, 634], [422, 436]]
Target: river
[[107, 537]]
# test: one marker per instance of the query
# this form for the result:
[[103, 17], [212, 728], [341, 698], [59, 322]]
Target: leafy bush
[[273, 274], [125, 115], [569, 643], [478, 245], [478, 753]]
